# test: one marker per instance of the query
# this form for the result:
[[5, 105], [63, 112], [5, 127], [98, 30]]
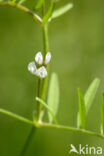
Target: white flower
[[47, 58], [39, 58], [32, 68], [40, 72]]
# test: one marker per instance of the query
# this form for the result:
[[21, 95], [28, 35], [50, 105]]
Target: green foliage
[[53, 95], [13, 1], [21, 1], [82, 110], [102, 115], [89, 97], [90, 94], [49, 12], [48, 108], [39, 4], [61, 10]]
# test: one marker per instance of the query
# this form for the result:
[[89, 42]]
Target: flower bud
[[39, 58], [47, 58]]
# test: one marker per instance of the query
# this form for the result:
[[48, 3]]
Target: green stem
[[45, 38], [13, 115], [38, 125], [44, 81], [42, 86], [38, 103], [24, 9], [32, 132], [46, 49], [72, 129], [27, 142], [49, 110]]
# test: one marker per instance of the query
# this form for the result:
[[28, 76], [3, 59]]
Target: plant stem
[[38, 103], [38, 125], [18, 117], [32, 132], [24, 9], [42, 87], [48, 108], [41, 91], [45, 38], [27, 143], [67, 128], [46, 48]]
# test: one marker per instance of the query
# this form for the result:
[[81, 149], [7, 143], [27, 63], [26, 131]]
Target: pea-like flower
[[41, 71]]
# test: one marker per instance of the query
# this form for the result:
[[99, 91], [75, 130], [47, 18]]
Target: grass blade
[[53, 95], [82, 110], [102, 115], [89, 97], [62, 10], [47, 107]]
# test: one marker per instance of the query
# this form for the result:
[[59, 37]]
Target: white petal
[[42, 72], [39, 58], [32, 68], [47, 58]]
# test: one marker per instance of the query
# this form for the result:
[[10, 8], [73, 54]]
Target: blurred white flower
[[39, 58], [41, 71], [47, 58], [32, 67]]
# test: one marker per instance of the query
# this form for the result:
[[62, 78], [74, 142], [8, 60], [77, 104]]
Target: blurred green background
[[77, 46]]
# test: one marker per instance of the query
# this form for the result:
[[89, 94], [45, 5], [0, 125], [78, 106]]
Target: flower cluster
[[41, 71]]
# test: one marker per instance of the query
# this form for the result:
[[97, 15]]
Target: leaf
[[102, 115], [12, 1], [62, 10], [82, 110], [21, 1], [89, 97], [39, 4], [90, 94], [47, 107], [53, 95], [49, 12]]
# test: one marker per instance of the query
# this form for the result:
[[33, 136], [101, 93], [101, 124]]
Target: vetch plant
[[48, 97]]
